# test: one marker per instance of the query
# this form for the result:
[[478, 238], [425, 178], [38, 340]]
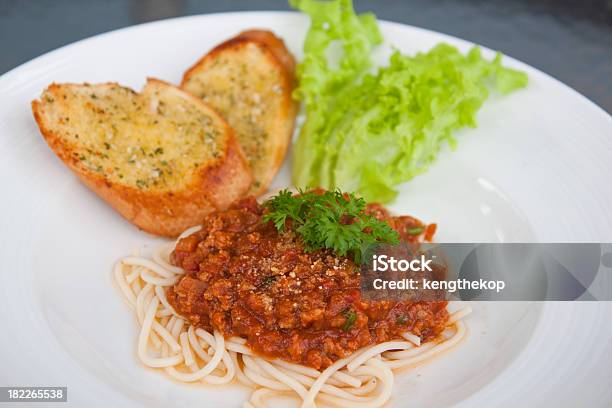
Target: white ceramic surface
[[537, 168]]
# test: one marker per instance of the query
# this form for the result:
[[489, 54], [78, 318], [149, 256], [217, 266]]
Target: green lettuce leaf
[[369, 131], [333, 23]]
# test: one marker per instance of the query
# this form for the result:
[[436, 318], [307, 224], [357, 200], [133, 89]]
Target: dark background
[[570, 40]]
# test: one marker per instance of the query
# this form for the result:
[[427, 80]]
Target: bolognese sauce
[[245, 278]]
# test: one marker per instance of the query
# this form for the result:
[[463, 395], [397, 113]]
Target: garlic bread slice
[[162, 158], [249, 80]]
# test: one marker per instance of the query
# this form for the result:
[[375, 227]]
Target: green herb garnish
[[401, 320], [268, 280], [329, 220], [415, 230], [350, 317]]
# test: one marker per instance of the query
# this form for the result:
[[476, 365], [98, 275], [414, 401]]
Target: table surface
[[568, 39]]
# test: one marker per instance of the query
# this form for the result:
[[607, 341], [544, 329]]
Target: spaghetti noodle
[[187, 353]]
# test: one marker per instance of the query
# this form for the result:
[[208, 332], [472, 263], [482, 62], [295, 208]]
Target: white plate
[[538, 167]]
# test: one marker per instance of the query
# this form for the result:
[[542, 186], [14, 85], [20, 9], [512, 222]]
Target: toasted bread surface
[[249, 80], [162, 158]]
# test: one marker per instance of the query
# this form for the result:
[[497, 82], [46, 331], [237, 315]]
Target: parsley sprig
[[331, 220], [350, 317]]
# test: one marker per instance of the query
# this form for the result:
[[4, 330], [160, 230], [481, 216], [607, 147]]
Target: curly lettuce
[[367, 131]]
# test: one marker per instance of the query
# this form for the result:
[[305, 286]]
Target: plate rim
[[6, 76]]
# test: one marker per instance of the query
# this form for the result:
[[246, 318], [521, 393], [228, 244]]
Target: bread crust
[[274, 44], [277, 53], [165, 213]]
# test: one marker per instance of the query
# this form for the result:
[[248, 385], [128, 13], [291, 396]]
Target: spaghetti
[[189, 354]]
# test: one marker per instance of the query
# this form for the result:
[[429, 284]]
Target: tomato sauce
[[244, 278]]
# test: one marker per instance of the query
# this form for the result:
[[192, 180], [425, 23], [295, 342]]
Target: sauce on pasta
[[246, 279]]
